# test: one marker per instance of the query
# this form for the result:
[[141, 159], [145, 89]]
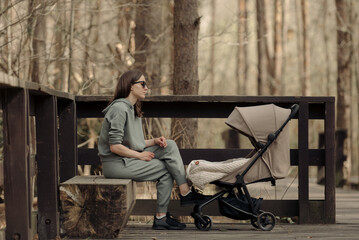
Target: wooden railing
[[57, 156], [309, 211]]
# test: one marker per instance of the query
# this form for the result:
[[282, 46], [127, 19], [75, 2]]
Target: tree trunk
[[124, 48], [242, 67], [185, 75], [60, 49], [149, 38], [71, 30], [38, 20], [213, 46], [95, 207], [275, 61], [8, 38], [148, 35], [327, 85], [355, 156], [306, 47], [261, 45], [344, 43]]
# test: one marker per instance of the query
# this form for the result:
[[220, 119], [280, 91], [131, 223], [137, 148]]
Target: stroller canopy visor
[[258, 121]]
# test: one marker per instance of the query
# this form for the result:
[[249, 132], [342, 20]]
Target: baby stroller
[[265, 126]]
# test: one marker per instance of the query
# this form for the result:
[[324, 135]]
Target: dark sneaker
[[167, 223], [193, 198]]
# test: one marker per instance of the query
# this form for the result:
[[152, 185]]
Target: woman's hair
[[123, 88]]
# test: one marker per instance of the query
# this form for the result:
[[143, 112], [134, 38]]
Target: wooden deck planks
[[347, 226]]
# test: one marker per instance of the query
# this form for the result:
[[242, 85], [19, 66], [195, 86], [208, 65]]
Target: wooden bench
[[94, 206]]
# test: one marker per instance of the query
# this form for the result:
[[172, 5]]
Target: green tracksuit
[[121, 126]]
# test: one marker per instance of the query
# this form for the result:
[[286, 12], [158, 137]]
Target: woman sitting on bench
[[126, 154]]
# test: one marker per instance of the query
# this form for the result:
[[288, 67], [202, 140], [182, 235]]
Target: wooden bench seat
[[94, 206]]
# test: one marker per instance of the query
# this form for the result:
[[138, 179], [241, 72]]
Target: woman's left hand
[[161, 141]]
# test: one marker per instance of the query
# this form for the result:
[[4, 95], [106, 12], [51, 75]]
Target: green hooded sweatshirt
[[120, 126]]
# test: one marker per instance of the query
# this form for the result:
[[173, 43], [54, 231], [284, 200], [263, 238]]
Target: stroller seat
[[202, 172]]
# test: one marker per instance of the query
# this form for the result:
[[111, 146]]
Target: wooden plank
[[38, 89], [347, 227], [88, 156], [18, 187], [67, 140], [198, 106], [147, 207], [47, 162], [179, 109], [288, 100], [303, 164], [330, 157]]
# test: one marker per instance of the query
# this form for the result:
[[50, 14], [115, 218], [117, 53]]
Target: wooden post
[[18, 187], [329, 203], [303, 162], [67, 140], [47, 162]]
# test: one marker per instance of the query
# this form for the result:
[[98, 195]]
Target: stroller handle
[[294, 108]]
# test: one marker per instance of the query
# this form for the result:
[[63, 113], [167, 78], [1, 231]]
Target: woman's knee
[[171, 144]]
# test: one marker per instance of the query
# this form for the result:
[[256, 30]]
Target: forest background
[[238, 47]]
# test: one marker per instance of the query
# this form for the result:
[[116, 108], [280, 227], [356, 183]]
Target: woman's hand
[[146, 156], [161, 141]]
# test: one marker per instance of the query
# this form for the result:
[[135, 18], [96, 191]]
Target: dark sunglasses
[[143, 83]]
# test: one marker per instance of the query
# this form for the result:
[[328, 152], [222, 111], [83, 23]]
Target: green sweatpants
[[165, 167]]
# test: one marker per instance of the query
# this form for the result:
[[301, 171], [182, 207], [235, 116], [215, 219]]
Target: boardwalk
[[347, 226]]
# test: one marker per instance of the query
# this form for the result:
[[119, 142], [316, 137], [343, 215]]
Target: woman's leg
[[171, 157], [138, 170]]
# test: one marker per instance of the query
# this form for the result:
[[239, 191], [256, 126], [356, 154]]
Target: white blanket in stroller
[[202, 172]]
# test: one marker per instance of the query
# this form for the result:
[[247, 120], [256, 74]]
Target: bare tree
[[241, 59], [212, 46], [326, 38], [344, 43], [150, 39], [59, 47], [147, 37], [275, 61], [185, 75], [261, 45], [38, 46], [305, 66]]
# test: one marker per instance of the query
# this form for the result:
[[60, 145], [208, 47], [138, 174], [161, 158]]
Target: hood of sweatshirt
[[116, 101]]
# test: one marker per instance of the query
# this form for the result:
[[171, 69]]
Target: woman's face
[[139, 88]]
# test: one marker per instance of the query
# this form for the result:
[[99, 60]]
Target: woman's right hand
[[146, 156]]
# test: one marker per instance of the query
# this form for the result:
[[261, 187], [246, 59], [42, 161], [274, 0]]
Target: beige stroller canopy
[[256, 123]]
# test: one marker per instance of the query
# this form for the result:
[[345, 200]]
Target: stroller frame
[[259, 219]]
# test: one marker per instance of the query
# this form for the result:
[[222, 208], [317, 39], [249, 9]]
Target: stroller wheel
[[203, 226], [266, 221], [254, 220], [254, 223]]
